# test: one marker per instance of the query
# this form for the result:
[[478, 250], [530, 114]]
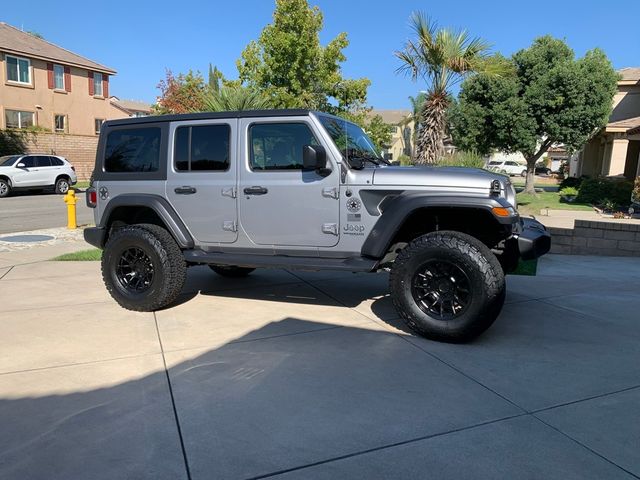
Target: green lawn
[[81, 256], [81, 185], [531, 205]]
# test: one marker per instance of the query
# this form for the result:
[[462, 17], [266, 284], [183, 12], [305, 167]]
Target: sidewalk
[[63, 241], [566, 218]]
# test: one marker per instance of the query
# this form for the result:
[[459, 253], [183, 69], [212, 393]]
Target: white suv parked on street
[[23, 172], [508, 167]]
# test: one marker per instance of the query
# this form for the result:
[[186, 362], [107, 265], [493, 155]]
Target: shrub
[[571, 182], [569, 192], [636, 190], [596, 190], [12, 142], [462, 159], [404, 160], [609, 205]]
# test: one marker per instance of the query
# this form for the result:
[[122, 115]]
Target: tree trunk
[[432, 131], [529, 186]]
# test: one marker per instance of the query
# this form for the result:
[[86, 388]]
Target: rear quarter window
[[133, 150]]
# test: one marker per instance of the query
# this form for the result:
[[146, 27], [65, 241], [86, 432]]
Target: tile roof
[[132, 105], [630, 74], [392, 117], [13, 40], [626, 124]]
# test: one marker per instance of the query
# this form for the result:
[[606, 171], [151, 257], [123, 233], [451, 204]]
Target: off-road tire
[[62, 185], [5, 188], [169, 267], [485, 278], [231, 271]]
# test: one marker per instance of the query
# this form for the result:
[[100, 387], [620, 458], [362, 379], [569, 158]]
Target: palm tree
[[417, 104], [442, 57], [229, 98]]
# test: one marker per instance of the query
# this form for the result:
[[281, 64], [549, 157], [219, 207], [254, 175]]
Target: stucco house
[[401, 130], [615, 149], [44, 85]]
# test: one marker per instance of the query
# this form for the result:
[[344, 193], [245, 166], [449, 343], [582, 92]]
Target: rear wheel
[[447, 286], [231, 270], [62, 185], [143, 267], [5, 188]]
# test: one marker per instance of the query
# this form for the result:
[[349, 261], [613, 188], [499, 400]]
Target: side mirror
[[21, 165], [314, 157]]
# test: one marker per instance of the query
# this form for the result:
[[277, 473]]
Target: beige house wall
[[626, 103], [80, 108]]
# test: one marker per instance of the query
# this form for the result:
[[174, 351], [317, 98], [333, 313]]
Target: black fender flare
[[400, 208], [160, 206]]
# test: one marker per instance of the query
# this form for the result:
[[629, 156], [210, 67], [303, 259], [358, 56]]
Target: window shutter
[[105, 86], [67, 79], [50, 75], [91, 93]]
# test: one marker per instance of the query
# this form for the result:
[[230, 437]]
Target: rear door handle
[[185, 190], [255, 191]]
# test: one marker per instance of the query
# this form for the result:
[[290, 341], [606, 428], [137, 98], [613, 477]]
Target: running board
[[351, 264]]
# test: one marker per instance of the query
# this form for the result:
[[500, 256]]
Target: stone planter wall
[[597, 238]]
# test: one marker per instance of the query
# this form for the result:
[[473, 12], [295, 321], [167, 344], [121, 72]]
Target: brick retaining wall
[[80, 150], [597, 238]]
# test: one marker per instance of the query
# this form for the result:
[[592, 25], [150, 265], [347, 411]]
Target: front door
[[201, 178], [281, 204]]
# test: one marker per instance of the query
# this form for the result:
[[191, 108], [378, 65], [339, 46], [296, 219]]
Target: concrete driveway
[[307, 376]]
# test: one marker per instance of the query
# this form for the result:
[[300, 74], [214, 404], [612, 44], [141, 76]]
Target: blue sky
[[142, 38]]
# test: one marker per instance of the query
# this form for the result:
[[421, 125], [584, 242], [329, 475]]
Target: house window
[[18, 119], [60, 123], [58, 77], [98, 125], [18, 70], [97, 84]]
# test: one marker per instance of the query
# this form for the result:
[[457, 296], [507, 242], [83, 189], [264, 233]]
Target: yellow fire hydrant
[[71, 200]]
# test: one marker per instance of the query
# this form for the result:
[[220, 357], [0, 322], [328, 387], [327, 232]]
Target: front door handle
[[255, 191], [185, 190]]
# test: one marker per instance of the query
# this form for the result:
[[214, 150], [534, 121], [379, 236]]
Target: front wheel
[[523, 173], [447, 286], [5, 188], [143, 267], [62, 186]]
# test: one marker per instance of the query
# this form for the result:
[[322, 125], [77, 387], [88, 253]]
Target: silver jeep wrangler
[[301, 190]]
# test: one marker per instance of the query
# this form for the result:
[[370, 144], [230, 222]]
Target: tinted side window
[[56, 162], [42, 161], [133, 150], [278, 146], [202, 148], [29, 162]]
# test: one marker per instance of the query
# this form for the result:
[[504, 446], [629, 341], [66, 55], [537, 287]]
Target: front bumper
[[531, 239]]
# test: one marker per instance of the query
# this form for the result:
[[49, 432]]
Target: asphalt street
[[33, 211]]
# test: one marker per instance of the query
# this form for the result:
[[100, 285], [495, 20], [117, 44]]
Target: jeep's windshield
[[351, 140], [7, 160]]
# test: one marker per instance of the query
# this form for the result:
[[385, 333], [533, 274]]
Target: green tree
[[181, 94], [442, 57], [417, 105], [553, 98], [289, 64], [234, 98], [378, 131]]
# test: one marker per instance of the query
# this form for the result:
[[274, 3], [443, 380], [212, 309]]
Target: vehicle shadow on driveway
[[255, 407]]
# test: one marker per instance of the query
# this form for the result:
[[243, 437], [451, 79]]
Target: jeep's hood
[[458, 177]]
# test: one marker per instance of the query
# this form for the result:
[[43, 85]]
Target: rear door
[[280, 204], [201, 178]]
